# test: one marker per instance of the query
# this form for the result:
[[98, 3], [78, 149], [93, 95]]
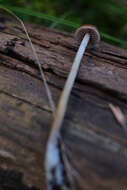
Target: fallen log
[[95, 143]]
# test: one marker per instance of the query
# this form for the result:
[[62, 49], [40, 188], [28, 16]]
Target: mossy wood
[[95, 143]]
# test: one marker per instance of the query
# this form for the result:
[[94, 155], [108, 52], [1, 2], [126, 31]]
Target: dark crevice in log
[[12, 179], [23, 100], [94, 141]]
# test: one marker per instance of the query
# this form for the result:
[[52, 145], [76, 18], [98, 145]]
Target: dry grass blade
[[51, 102]]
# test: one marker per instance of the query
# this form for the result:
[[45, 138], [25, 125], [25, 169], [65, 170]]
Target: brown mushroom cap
[[92, 31]]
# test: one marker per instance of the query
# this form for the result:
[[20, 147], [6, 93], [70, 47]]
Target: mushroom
[[88, 36], [93, 33]]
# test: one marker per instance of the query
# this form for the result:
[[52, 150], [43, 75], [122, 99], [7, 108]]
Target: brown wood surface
[[95, 143]]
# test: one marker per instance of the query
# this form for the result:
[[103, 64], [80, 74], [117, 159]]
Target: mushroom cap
[[92, 31]]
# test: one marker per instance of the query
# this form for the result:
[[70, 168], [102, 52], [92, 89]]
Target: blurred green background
[[110, 16]]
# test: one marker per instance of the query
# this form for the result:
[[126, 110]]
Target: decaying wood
[[95, 143]]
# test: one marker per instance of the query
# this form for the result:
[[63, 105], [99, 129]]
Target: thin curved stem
[[49, 95], [62, 105], [54, 153]]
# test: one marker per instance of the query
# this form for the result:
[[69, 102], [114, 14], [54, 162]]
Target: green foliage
[[108, 16]]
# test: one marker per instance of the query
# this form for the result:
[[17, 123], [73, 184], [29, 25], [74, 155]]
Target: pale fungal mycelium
[[87, 36]]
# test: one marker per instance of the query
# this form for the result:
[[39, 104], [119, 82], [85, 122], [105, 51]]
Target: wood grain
[[96, 145]]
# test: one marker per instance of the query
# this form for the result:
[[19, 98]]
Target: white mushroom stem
[[62, 105], [53, 159]]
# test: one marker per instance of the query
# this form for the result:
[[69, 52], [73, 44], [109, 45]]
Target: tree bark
[[96, 145]]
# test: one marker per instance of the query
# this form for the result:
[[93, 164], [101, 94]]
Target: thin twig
[[51, 102]]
